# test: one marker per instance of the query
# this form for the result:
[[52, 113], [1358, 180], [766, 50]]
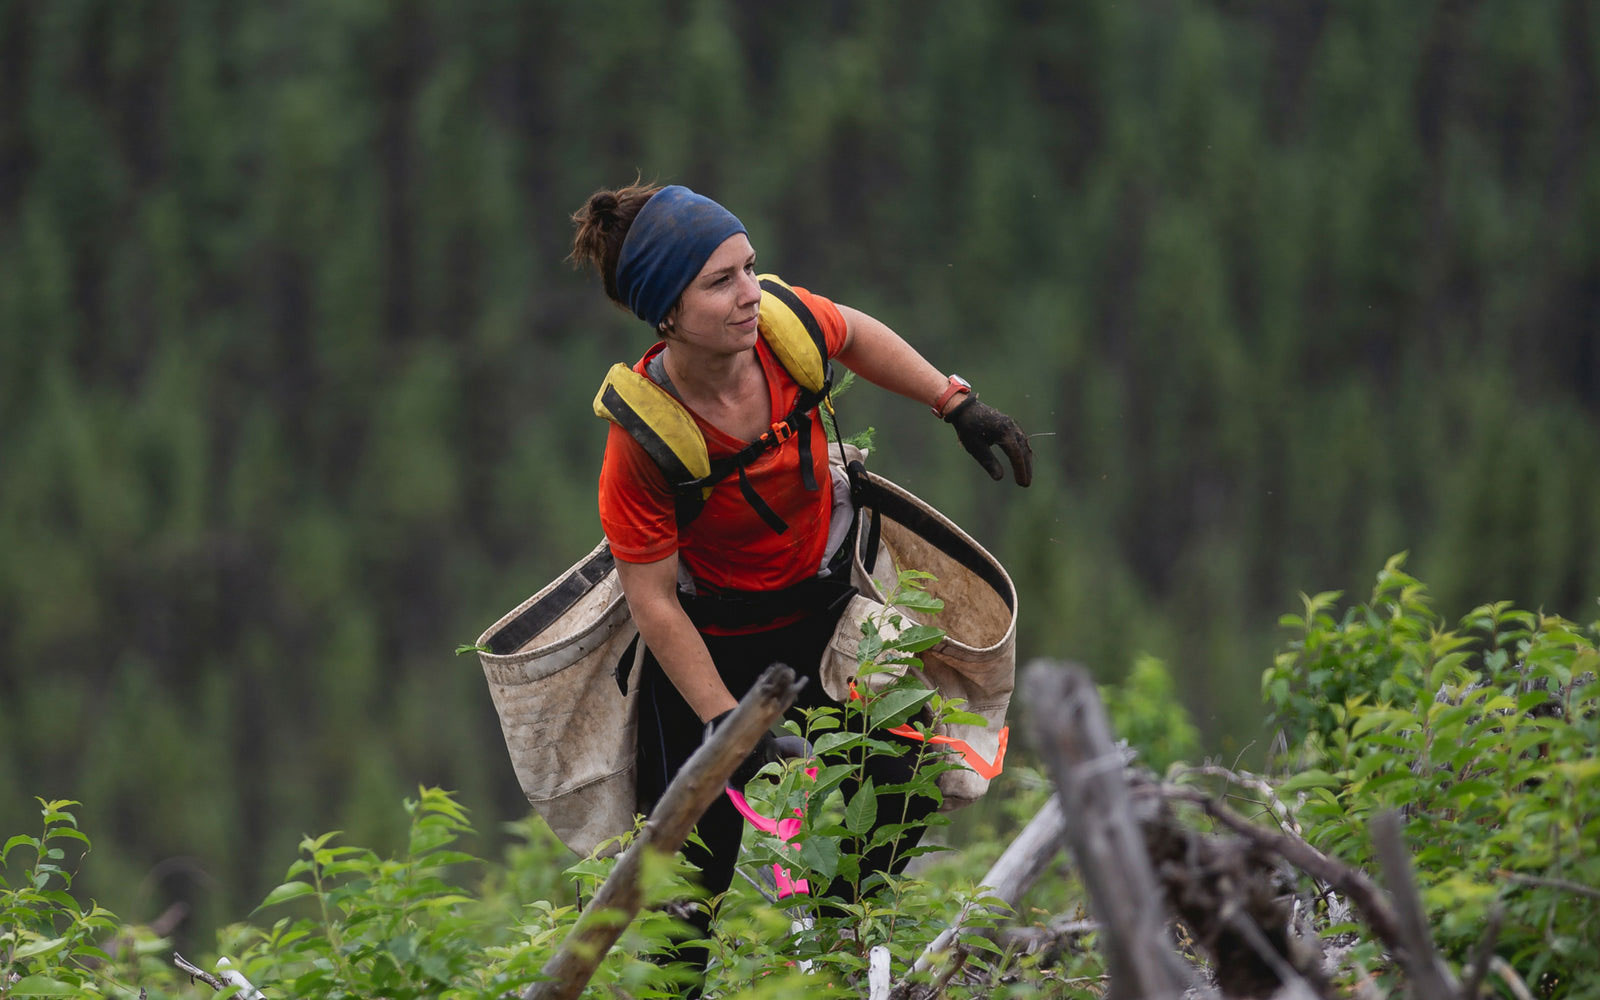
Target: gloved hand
[[768, 749], [980, 427]]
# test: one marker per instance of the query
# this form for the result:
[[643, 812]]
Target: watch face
[[963, 383]]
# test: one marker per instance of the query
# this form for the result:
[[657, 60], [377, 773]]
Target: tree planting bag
[[977, 658], [551, 666]]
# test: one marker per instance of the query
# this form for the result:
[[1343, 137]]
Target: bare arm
[[652, 593], [883, 357]]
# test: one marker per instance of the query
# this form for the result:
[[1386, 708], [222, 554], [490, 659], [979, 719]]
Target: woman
[[722, 592]]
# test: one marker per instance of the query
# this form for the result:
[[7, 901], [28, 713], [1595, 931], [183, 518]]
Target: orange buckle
[[783, 431]]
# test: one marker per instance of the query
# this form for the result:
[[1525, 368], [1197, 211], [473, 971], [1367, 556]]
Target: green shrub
[[1483, 737]]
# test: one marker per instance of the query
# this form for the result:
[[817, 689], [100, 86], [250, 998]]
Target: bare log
[[1073, 737], [693, 790], [1429, 979]]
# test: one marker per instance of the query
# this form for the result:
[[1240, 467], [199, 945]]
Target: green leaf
[[68, 833], [821, 856], [1531, 700], [862, 811], [18, 841], [41, 986], [918, 600], [917, 638], [286, 892], [1313, 778], [835, 742], [43, 947], [896, 705], [956, 717]]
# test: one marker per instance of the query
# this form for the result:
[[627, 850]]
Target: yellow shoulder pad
[[656, 420], [793, 333]]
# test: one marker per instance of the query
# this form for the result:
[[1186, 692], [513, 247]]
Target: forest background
[[295, 384]]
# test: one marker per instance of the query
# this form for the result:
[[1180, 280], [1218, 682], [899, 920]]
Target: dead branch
[[1565, 885], [1257, 784], [1230, 894], [1428, 976], [195, 972], [1508, 975], [1050, 940], [878, 973], [1073, 737], [1483, 953], [1348, 882], [1017, 869], [227, 976], [694, 789]]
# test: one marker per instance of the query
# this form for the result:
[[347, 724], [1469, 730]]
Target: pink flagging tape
[[783, 829]]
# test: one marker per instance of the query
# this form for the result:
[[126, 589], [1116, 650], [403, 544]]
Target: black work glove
[[980, 427], [768, 749]]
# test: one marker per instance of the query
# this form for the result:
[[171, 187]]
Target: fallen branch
[[1257, 784], [1577, 888], [1348, 882], [227, 977], [1073, 737], [1482, 954], [1508, 975], [694, 789], [1428, 976], [1049, 940], [1017, 869]]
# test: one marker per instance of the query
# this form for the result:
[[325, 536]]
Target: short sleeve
[[637, 512]]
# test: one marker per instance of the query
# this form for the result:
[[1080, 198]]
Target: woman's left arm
[[883, 357]]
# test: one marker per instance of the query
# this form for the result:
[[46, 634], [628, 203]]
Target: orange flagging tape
[[974, 759]]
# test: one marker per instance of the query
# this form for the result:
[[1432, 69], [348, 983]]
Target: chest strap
[[648, 409]]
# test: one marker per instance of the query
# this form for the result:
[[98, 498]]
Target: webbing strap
[[753, 498], [692, 495], [542, 614], [930, 529], [808, 475]]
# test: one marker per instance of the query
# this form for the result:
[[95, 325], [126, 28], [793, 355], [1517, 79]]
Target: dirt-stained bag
[[977, 658], [551, 666]]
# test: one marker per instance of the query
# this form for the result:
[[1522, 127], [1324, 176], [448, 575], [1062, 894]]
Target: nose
[[749, 289]]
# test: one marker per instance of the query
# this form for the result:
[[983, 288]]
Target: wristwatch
[[957, 385]]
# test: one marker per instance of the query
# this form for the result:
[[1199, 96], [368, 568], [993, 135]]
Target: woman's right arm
[[652, 593]]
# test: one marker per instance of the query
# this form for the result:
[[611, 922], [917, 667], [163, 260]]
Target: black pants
[[669, 731]]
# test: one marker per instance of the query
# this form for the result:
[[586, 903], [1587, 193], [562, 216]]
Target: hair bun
[[603, 207]]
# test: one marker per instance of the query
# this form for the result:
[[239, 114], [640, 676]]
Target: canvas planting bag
[[551, 667]]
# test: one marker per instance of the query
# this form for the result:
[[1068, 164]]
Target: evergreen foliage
[[294, 385]]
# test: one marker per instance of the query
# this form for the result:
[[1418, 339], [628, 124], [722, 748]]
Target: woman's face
[[720, 309]]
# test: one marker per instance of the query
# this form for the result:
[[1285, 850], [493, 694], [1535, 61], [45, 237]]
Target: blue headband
[[668, 243]]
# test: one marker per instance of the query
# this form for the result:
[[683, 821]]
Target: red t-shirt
[[729, 546]]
